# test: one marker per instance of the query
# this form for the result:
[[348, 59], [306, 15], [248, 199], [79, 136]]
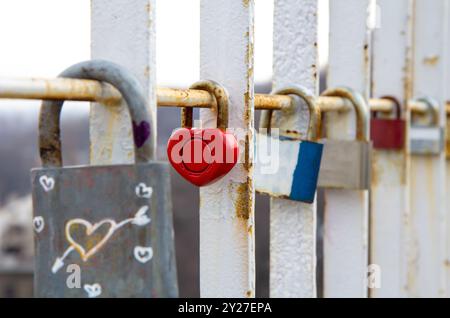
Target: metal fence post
[[227, 252], [392, 77], [447, 185], [346, 212], [428, 207], [293, 224], [123, 32]]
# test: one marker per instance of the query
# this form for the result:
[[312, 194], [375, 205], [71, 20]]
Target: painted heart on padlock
[[202, 156]]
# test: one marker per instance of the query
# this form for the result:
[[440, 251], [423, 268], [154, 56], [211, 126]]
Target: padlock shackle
[[361, 108], [314, 124], [221, 102], [142, 119], [432, 109], [398, 107]]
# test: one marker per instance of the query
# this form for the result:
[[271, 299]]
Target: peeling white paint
[[390, 183], [346, 211], [293, 224], [227, 251], [426, 271]]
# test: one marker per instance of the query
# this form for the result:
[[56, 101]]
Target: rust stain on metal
[[377, 171], [250, 230], [367, 67], [431, 60], [293, 134], [314, 71], [431, 189], [244, 200], [248, 96], [272, 102], [59, 89], [447, 138], [247, 163], [246, 3], [248, 109], [366, 55], [249, 294], [185, 98]]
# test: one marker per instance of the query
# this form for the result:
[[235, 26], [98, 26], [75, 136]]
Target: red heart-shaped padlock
[[202, 156]]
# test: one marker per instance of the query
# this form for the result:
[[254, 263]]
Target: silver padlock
[[346, 163], [428, 138], [103, 231]]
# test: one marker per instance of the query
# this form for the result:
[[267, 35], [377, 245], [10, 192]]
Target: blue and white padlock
[[288, 167]]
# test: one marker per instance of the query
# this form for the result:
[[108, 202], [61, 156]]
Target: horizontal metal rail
[[58, 89], [90, 90]]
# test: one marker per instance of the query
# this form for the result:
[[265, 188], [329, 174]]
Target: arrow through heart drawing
[[139, 219]]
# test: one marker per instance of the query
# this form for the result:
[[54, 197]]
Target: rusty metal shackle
[[315, 115], [361, 108], [432, 109], [142, 120], [221, 101]]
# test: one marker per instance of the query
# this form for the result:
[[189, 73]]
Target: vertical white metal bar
[[227, 255], [390, 169], [427, 218], [122, 32], [346, 212], [293, 224], [447, 185]]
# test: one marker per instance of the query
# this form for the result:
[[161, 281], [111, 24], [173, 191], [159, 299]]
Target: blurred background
[[40, 38]]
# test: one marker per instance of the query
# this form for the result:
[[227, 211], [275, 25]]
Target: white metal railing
[[399, 225]]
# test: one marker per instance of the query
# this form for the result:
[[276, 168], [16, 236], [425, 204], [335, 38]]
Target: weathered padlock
[[203, 156], [427, 139], [388, 133], [103, 231], [297, 162], [346, 164]]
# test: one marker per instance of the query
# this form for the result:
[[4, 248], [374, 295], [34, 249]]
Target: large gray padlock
[[103, 231], [346, 164], [427, 139]]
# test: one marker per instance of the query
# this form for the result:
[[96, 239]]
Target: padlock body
[[202, 156], [388, 134], [288, 171], [113, 222], [426, 140], [345, 164]]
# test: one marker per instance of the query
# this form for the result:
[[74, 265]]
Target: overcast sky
[[42, 37]]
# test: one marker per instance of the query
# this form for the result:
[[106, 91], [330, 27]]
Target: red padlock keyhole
[[197, 149]]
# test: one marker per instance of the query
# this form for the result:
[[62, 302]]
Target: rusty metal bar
[[201, 99], [94, 91], [58, 89], [169, 97]]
